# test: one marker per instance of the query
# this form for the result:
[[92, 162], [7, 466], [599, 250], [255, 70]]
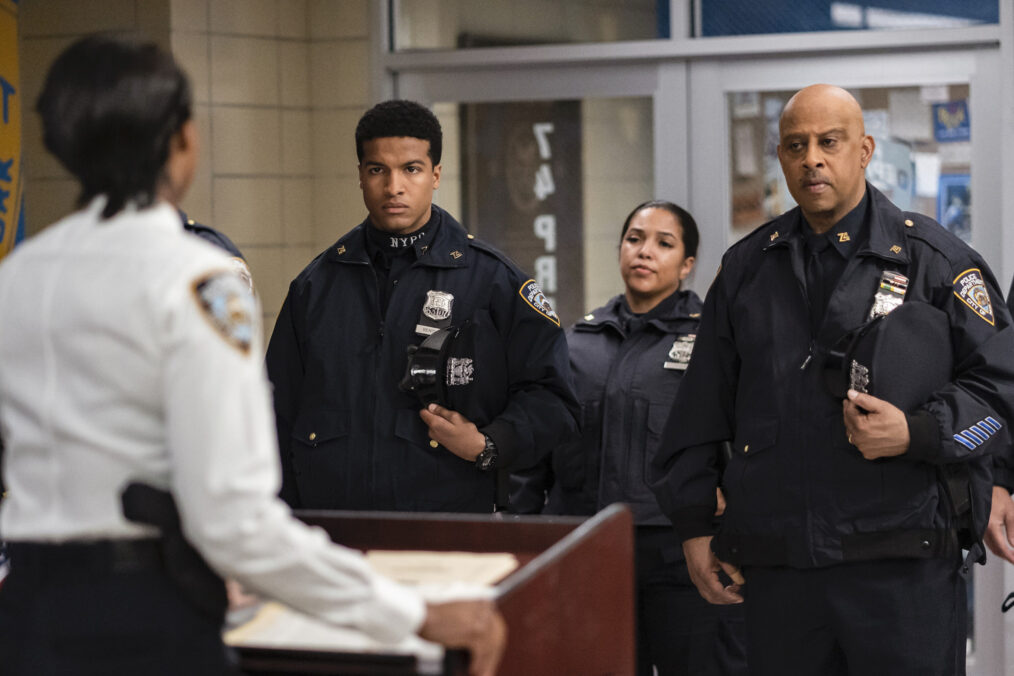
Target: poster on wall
[[950, 122], [954, 204], [12, 217], [523, 191]]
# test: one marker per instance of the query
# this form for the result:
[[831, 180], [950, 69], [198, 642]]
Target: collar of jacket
[[687, 307], [448, 249], [886, 240]]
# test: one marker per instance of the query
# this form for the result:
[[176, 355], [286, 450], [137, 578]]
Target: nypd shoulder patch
[[532, 293], [970, 288], [228, 303]]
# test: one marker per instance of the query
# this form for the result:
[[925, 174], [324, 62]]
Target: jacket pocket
[[325, 470], [316, 427], [574, 464], [658, 416], [751, 480]]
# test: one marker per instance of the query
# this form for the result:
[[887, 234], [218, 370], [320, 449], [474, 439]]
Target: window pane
[[549, 184], [749, 17], [922, 160], [450, 24]]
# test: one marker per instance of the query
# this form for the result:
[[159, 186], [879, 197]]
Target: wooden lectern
[[569, 606]]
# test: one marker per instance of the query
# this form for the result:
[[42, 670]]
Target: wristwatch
[[486, 460]]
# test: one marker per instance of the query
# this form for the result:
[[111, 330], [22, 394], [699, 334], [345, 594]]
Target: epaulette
[[488, 248]]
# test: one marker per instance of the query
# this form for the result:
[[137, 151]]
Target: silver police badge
[[459, 371], [679, 353], [438, 305], [890, 294]]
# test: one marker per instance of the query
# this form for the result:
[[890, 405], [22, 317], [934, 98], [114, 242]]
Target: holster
[[184, 566]]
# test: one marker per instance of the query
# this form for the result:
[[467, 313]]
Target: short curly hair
[[400, 118]]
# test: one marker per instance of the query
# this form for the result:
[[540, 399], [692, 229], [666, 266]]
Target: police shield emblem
[[533, 295], [971, 289], [229, 305], [438, 305]]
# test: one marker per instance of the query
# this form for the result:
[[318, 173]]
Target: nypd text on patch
[[971, 289]]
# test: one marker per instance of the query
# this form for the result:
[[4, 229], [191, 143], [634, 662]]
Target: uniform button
[[746, 448], [313, 436], [433, 443], [908, 222], [734, 550], [925, 544], [395, 282]]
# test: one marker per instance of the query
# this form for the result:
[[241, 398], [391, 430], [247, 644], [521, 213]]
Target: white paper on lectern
[[437, 576]]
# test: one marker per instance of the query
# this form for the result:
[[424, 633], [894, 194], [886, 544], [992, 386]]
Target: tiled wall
[[278, 88], [47, 27], [280, 85]]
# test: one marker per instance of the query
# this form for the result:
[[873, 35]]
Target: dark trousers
[[895, 617], [93, 620], [677, 630]]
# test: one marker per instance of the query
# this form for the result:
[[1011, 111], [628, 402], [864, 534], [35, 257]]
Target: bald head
[[823, 149], [824, 101]]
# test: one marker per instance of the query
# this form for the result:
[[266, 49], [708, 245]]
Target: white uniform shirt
[[112, 370]]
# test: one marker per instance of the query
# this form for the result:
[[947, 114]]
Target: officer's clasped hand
[[876, 427], [453, 431]]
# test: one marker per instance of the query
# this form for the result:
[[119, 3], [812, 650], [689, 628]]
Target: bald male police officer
[[838, 513], [349, 437]]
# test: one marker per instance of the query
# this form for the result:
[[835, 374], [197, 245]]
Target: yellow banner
[[11, 210]]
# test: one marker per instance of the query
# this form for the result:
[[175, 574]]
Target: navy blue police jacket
[[798, 493], [349, 438], [216, 237], [626, 378]]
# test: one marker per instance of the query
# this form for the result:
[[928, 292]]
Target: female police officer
[[627, 359], [131, 351]]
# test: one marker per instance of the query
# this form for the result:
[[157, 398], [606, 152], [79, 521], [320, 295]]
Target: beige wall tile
[[73, 17], [197, 202], [248, 210], [244, 70], [37, 55], [47, 201], [337, 206], [297, 211], [191, 51], [269, 320], [294, 73], [339, 18], [295, 258], [153, 18], [244, 17], [39, 163], [268, 269], [292, 22], [189, 15], [339, 73], [334, 142], [296, 152], [245, 140], [448, 197]]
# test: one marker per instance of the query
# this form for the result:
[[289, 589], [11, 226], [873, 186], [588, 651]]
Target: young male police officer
[[349, 437], [836, 512]]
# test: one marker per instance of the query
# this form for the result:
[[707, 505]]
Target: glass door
[[936, 125]]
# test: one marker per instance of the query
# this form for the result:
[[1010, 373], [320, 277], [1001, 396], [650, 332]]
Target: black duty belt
[[84, 558]]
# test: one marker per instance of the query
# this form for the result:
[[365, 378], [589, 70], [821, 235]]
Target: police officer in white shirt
[[131, 351]]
